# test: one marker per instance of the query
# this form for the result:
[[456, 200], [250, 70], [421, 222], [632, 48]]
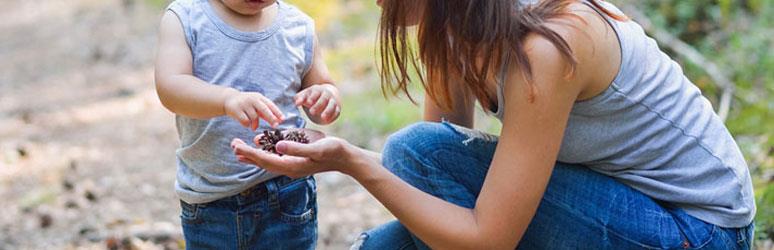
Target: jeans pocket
[[298, 201], [189, 213]]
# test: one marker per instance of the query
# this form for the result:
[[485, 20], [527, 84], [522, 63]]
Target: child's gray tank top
[[272, 62], [653, 130]]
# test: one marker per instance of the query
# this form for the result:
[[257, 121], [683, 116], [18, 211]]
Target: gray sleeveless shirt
[[271, 62], [654, 131]]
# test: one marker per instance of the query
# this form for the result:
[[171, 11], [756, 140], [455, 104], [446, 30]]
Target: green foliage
[[765, 217], [158, 3], [737, 36], [369, 117]]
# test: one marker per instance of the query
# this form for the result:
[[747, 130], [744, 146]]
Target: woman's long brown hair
[[464, 39]]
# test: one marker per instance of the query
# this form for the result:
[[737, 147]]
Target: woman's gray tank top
[[653, 130]]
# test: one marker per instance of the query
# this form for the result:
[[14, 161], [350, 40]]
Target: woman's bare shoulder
[[594, 45]]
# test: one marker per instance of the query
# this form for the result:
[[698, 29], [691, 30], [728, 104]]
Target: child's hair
[[455, 35]]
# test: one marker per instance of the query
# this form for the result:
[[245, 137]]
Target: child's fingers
[[254, 124], [301, 97], [265, 113], [243, 118], [330, 110], [252, 116], [320, 105], [312, 98], [274, 109]]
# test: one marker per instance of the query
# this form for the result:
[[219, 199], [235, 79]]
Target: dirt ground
[[87, 150]]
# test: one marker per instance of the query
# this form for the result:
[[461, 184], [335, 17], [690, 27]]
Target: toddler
[[231, 69]]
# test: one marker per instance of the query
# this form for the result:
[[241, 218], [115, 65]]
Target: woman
[[605, 143]]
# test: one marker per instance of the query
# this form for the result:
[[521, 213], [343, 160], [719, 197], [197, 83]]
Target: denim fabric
[[581, 209], [280, 213]]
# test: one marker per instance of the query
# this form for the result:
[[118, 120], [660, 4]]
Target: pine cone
[[268, 141], [297, 136]]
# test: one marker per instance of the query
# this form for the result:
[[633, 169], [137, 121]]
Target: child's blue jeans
[[581, 209], [278, 214]]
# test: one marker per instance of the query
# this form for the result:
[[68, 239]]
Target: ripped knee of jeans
[[358, 244], [471, 134]]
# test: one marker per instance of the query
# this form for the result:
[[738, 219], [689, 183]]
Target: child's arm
[[319, 96], [184, 94]]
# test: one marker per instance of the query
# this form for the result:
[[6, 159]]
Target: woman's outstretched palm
[[298, 160]]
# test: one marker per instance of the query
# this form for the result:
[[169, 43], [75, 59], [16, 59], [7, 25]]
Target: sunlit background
[[87, 150]]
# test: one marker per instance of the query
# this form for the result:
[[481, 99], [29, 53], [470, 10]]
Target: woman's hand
[[298, 160]]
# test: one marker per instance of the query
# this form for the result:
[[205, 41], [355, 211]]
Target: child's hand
[[320, 102], [248, 107]]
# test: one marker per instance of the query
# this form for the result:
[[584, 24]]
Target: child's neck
[[247, 23]]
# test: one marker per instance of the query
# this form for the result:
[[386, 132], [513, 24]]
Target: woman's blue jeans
[[581, 209]]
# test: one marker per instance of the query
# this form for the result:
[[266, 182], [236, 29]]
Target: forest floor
[[86, 149]]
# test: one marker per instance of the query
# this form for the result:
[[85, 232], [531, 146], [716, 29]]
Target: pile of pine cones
[[268, 141]]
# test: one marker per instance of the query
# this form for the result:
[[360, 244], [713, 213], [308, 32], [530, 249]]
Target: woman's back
[[654, 131]]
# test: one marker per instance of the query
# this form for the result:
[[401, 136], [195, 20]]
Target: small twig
[[688, 52]]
